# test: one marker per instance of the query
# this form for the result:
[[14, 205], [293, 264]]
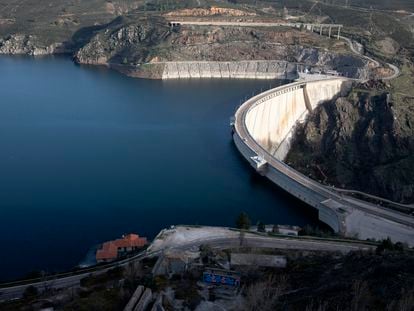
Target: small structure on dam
[[263, 130]]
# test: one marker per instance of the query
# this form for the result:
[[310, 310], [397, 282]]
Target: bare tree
[[360, 292], [241, 237], [47, 282], [405, 303], [263, 295], [133, 271], [321, 306]]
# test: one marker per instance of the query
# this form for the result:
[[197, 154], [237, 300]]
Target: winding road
[[394, 68]]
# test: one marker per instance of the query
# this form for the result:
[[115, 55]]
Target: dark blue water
[[87, 154]]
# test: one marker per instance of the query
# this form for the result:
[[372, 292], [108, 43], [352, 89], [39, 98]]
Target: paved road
[[409, 16], [409, 208], [396, 72], [14, 292], [395, 69], [250, 24], [354, 50]]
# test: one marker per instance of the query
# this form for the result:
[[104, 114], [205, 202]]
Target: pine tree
[[243, 221]]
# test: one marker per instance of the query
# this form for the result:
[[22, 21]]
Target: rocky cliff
[[129, 33], [363, 142], [212, 11], [124, 43], [29, 45], [151, 40]]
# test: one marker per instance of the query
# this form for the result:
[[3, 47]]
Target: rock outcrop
[[29, 45], [347, 64], [123, 44], [358, 143], [132, 43], [197, 12]]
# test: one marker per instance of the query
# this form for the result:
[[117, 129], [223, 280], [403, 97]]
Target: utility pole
[[370, 19]]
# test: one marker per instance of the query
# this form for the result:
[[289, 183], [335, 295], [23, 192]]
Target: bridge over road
[[263, 129]]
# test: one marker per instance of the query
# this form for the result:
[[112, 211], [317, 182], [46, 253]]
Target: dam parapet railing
[[263, 130]]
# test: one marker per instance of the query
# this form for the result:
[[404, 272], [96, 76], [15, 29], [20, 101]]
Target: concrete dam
[[263, 128]]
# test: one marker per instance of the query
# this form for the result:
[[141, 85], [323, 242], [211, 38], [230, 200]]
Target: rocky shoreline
[[19, 44], [149, 48]]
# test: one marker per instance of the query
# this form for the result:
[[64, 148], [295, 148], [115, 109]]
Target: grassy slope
[[56, 21]]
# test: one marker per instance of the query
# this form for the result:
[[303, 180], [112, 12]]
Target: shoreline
[[206, 233], [259, 69]]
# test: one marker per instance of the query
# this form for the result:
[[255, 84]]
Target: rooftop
[[110, 249]]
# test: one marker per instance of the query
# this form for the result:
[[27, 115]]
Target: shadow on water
[[296, 206]]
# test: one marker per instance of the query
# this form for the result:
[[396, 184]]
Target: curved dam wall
[[264, 128], [262, 131], [230, 70], [271, 121], [281, 177]]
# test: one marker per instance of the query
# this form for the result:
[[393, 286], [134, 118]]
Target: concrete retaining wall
[[232, 70]]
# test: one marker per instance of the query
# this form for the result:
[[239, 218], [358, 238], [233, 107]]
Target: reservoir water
[[87, 155]]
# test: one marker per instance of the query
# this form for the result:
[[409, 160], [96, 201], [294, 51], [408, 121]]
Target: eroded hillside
[[128, 34], [151, 40], [363, 142]]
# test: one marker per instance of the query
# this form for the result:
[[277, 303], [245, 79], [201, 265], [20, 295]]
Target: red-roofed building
[[111, 250]]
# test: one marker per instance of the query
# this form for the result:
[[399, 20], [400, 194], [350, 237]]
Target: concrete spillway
[[263, 130]]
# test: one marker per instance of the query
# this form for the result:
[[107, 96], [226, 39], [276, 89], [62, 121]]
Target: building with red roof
[[111, 250]]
